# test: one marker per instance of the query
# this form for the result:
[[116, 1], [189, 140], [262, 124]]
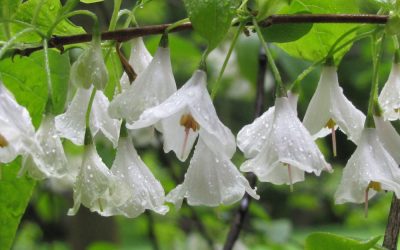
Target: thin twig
[[127, 34], [242, 212], [393, 225]]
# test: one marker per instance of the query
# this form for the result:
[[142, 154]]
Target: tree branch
[[127, 34], [241, 213], [393, 225]]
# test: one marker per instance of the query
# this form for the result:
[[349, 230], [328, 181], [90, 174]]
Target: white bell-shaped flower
[[251, 138], [389, 98], [95, 184], [389, 137], [48, 160], [288, 151], [143, 190], [139, 59], [16, 130], [329, 109], [211, 180], [369, 169], [155, 84], [72, 124], [184, 115]]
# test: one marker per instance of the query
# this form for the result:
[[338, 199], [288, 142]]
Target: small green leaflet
[[266, 8], [211, 18], [329, 241]]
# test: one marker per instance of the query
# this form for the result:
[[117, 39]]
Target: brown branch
[[242, 212], [393, 225], [127, 34]]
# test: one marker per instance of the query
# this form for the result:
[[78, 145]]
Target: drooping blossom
[[211, 180], [143, 191], [288, 149], [155, 84], [72, 123], [369, 170], [329, 109], [389, 98], [186, 114], [16, 130], [389, 137], [95, 187], [252, 137], [48, 160]]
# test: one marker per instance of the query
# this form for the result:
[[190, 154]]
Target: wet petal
[[370, 162], [100, 121], [150, 88], [389, 98], [389, 137], [211, 180]]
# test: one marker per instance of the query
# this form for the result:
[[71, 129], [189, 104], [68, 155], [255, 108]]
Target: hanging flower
[[252, 137], [89, 69], [184, 115], [288, 151], [211, 180], [329, 109], [155, 84], [143, 190], [389, 137], [389, 97], [140, 58], [95, 184], [48, 160], [369, 170], [16, 130], [71, 124]]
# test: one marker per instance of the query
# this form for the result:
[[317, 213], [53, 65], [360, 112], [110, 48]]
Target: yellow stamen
[[372, 185], [331, 125], [100, 205], [3, 141], [188, 122]]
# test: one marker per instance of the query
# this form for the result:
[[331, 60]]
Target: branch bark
[[393, 225], [242, 212], [127, 34]]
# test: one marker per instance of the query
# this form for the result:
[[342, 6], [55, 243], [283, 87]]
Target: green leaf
[[91, 1], [269, 7], [329, 241], [211, 18], [26, 78], [14, 198], [7, 10], [47, 15], [316, 44]]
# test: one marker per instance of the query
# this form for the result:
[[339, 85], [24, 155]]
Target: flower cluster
[[278, 146]]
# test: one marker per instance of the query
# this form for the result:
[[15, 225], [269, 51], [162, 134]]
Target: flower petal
[[211, 180], [389, 97], [150, 88], [389, 137], [370, 162], [101, 121]]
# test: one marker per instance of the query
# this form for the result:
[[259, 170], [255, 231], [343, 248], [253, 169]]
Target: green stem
[[176, 24], [331, 51], [48, 76], [376, 58], [280, 89], [228, 56], [89, 109], [70, 14], [10, 42], [37, 11], [114, 17]]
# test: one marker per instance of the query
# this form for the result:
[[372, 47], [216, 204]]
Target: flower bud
[[90, 68]]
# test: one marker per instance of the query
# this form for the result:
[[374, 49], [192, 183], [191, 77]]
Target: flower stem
[[114, 17], [10, 42], [376, 41], [280, 89], [228, 56], [90, 107], [50, 103]]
